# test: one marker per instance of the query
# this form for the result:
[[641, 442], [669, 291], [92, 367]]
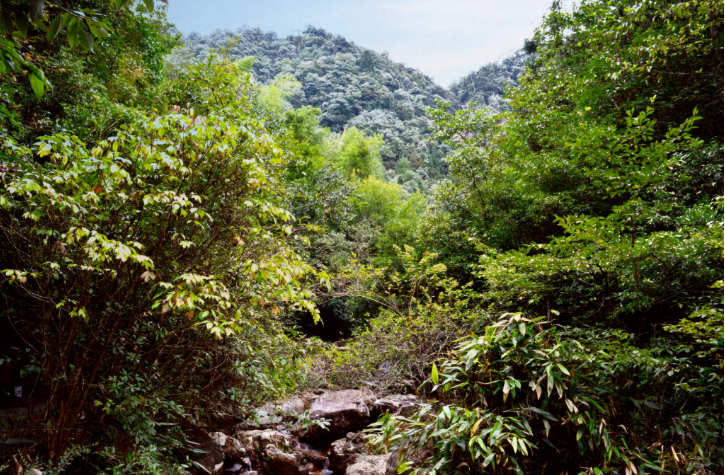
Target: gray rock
[[292, 406], [345, 410], [397, 405], [284, 463], [345, 452], [296, 460], [370, 465], [270, 415], [256, 440], [219, 437], [232, 448]]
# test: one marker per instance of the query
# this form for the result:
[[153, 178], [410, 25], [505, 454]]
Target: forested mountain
[[486, 87], [356, 87], [207, 268]]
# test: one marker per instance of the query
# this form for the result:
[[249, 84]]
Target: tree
[[163, 246]]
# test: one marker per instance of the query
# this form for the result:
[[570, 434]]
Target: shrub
[[129, 263], [524, 395]]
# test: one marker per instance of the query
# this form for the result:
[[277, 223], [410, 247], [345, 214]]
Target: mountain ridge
[[356, 86]]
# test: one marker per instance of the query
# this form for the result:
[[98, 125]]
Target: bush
[[524, 395], [143, 276]]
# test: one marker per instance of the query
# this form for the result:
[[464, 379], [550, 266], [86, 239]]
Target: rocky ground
[[285, 440]]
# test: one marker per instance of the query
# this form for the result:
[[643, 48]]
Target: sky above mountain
[[445, 39]]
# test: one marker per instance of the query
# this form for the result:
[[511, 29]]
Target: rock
[[270, 415], [284, 463], [256, 440], [345, 410], [262, 420], [345, 452], [298, 460], [397, 405], [233, 449], [292, 406], [312, 459], [210, 459], [370, 465], [219, 437]]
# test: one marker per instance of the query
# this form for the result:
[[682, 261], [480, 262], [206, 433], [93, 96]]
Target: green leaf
[[37, 82], [149, 5], [21, 23], [434, 374], [86, 38], [40, 25], [54, 28], [548, 415], [73, 32], [403, 467]]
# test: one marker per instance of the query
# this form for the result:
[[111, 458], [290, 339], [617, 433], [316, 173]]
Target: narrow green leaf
[[434, 374], [548, 415], [403, 467]]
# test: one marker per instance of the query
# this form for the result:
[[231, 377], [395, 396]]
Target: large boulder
[[345, 452], [370, 465], [398, 404], [345, 411]]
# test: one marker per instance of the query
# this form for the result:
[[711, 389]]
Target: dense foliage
[[596, 201], [487, 86], [190, 230]]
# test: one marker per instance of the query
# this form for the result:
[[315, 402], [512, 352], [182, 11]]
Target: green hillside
[[356, 87]]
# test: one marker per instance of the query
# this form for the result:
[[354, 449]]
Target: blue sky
[[443, 38]]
